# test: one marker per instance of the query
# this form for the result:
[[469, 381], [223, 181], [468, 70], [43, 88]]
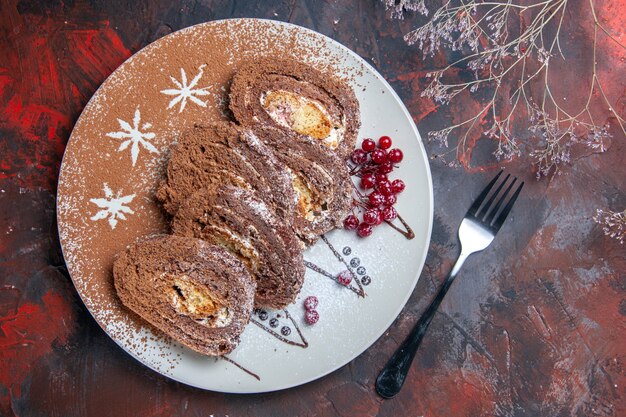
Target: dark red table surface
[[534, 326]]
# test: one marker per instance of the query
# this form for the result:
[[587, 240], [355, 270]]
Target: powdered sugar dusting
[[259, 207], [255, 142], [112, 207], [186, 91], [134, 136]]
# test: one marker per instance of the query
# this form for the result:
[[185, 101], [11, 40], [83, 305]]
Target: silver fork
[[477, 230]]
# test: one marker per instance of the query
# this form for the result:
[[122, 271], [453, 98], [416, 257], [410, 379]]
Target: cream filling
[[242, 248], [222, 319], [309, 205], [197, 302], [303, 115]]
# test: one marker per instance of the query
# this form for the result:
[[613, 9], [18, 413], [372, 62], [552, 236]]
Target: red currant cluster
[[311, 316], [373, 164]]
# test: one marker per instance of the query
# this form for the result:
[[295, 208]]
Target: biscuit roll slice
[[197, 293], [321, 181], [309, 105], [239, 221], [222, 153]]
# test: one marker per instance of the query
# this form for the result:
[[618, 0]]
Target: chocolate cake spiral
[[197, 293]]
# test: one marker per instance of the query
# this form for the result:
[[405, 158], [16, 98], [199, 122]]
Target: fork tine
[[492, 214], [486, 207], [473, 210], [505, 211]]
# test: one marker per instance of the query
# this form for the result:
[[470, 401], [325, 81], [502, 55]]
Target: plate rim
[[423, 255]]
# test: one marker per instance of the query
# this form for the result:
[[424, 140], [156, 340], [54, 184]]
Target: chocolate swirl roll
[[239, 221], [198, 294], [321, 182], [308, 105], [221, 153]]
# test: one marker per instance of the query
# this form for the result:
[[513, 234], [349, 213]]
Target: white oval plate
[[98, 172]]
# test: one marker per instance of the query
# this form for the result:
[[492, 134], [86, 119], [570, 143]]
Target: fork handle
[[391, 378]]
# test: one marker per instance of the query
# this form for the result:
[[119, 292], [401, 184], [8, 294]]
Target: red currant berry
[[384, 142], [310, 302], [390, 200], [389, 213], [311, 317], [380, 178], [368, 145], [379, 156], [351, 222], [395, 155], [385, 168], [379, 219], [397, 186], [358, 156], [371, 216], [344, 277], [385, 188], [368, 181], [364, 230], [376, 199]]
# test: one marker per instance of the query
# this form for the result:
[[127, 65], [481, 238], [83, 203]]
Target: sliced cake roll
[[321, 181], [220, 154], [197, 293], [309, 105], [239, 221]]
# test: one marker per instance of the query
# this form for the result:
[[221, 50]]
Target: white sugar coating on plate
[[116, 157]]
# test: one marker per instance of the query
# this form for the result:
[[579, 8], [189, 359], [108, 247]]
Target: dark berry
[[368, 181], [368, 145], [274, 322], [364, 230], [371, 216], [381, 177], [351, 222], [389, 213], [376, 199], [344, 277], [263, 315], [385, 188], [379, 156], [310, 303], [360, 270], [311, 317], [359, 157], [347, 250], [285, 330], [366, 280], [385, 168], [354, 262], [397, 186], [390, 200], [384, 142], [395, 156]]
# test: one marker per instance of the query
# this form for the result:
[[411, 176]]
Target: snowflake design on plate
[[185, 91], [113, 206], [134, 135]]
